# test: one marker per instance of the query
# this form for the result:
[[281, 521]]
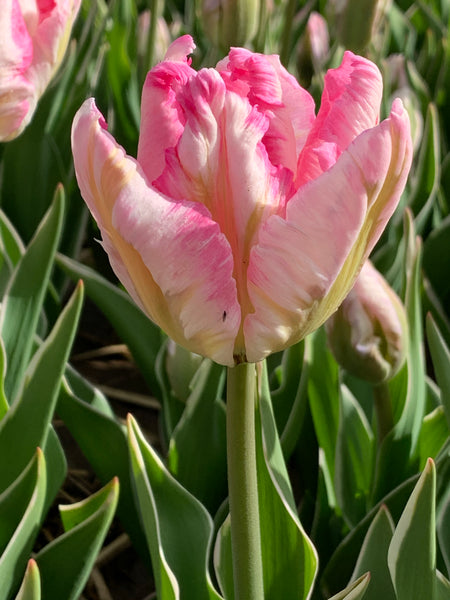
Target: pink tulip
[[245, 219], [33, 39]]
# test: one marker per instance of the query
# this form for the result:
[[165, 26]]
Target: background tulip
[[33, 39], [245, 219], [367, 333]]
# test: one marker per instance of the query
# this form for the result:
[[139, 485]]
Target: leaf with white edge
[[288, 555], [433, 435], [355, 454], [26, 424], [11, 240], [443, 528], [135, 329], [442, 587], [373, 557], [66, 563], [24, 296], [31, 584], [16, 553], [178, 528], [103, 440], [354, 591], [412, 552], [3, 402], [440, 355]]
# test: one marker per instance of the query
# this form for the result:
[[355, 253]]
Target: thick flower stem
[[383, 410], [242, 483]]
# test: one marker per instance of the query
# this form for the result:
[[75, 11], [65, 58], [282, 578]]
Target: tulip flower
[[34, 37], [368, 332], [245, 219]]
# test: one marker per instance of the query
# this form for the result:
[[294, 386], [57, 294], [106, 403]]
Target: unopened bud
[[367, 334], [230, 23]]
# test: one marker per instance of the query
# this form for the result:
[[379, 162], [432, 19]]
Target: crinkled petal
[[221, 162], [269, 86], [303, 266], [162, 118], [170, 255], [350, 105]]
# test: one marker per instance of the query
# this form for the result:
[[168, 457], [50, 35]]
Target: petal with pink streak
[[170, 255], [162, 118], [269, 86], [221, 161], [303, 266], [350, 105]]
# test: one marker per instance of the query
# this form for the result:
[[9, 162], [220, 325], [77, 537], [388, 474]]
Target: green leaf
[[135, 329], [443, 527], [26, 515], [323, 391], [440, 355], [354, 591], [103, 441], [289, 558], [11, 240], [373, 557], [26, 424], [65, 564], [31, 584], [442, 587], [197, 450], [395, 461], [412, 552], [177, 526], [433, 435], [427, 171], [355, 451], [22, 303], [436, 261], [3, 402]]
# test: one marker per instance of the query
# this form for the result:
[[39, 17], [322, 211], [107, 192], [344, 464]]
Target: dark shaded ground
[[99, 356]]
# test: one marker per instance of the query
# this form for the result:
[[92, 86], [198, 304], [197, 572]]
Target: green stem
[[383, 410], [242, 483]]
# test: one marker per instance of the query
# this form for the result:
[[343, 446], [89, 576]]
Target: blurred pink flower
[[245, 219], [33, 39]]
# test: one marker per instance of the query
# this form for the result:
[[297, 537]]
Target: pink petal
[[221, 161], [170, 255], [269, 86], [33, 39], [16, 54], [350, 105], [303, 266], [162, 118]]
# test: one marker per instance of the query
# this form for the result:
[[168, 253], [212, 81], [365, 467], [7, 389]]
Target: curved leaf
[[178, 528]]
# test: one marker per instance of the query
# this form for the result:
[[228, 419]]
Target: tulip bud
[[367, 333], [181, 366], [230, 22], [313, 48], [357, 21]]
